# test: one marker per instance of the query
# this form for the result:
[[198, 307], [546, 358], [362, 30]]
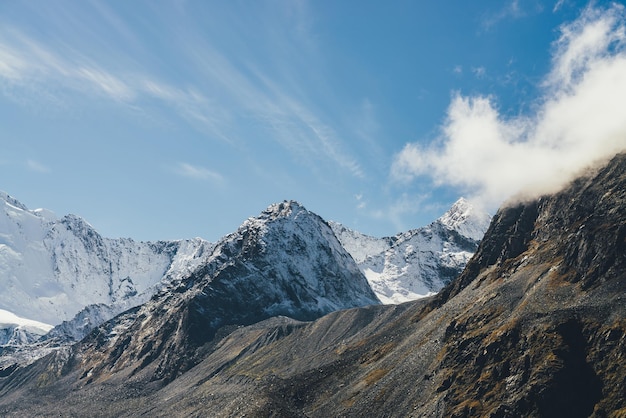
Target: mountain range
[[63, 272], [51, 269], [421, 261], [534, 326]]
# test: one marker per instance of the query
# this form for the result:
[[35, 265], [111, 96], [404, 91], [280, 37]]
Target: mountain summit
[[464, 218]]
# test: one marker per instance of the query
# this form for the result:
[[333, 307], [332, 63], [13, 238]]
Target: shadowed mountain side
[[533, 327]]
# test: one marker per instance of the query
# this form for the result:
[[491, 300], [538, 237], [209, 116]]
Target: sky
[[177, 119]]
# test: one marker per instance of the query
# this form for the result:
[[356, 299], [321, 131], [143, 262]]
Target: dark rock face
[[535, 326]]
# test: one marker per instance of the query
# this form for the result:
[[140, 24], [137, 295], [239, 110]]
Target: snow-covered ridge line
[[44, 263], [44, 260], [419, 262]]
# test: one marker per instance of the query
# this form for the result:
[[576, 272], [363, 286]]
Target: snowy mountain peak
[[276, 217], [12, 201], [464, 218], [284, 262], [421, 261], [285, 208], [52, 268]]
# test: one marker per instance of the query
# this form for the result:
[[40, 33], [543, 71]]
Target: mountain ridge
[[421, 261], [244, 281], [533, 327], [44, 261]]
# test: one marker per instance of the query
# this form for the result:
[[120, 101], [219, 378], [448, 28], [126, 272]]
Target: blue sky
[[176, 119]]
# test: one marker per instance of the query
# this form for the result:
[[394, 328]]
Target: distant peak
[[41, 213], [283, 209], [461, 205], [466, 219], [75, 222], [12, 201]]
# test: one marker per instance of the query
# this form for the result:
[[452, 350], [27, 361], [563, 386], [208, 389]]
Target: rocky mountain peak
[[466, 219], [419, 262], [285, 262], [285, 208], [562, 226]]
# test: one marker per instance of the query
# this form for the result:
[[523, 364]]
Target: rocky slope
[[419, 262], [533, 327]]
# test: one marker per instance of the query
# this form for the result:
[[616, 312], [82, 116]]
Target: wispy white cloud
[[361, 203], [198, 173], [396, 211], [11, 65], [106, 83], [510, 10], [223, 95], [36, 166], [26, 62], [579, 121], [296, 126], [479, 72], [557, 6]]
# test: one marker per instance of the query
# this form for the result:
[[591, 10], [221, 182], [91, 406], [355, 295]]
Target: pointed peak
[[466, 219], [283, 209], [76, 223], [462, 205]]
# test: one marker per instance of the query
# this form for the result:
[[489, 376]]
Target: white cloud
[[558, 5], [511, 9], [36, 166], [396, 211], [224, 92], [26, 62], [479, 72], [579, 121], [361, 204], [198, 173], [106, 83]]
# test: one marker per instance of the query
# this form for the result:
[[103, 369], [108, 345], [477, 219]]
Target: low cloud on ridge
[[579, 120]]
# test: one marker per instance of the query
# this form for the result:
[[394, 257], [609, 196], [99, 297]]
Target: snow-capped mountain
[[51, 268], [421, 261], [17, 331], [285, 262], [61, 271], [360, 246]]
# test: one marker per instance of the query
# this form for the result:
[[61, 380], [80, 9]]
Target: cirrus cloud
[[198, 173]]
